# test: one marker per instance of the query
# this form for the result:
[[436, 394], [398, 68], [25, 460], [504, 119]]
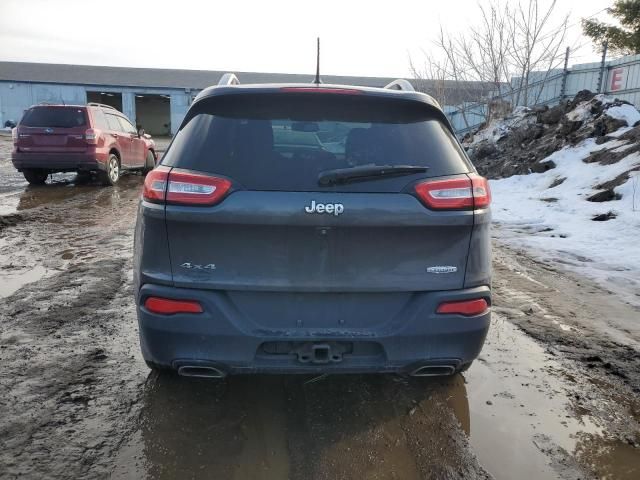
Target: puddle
[[520, 408], [57, 191], [11, 282]]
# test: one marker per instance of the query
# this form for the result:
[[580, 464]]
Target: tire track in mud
[[62, 411], [574, 318], [69, 383]]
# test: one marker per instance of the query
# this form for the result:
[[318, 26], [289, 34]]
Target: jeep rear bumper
[[223, 338]]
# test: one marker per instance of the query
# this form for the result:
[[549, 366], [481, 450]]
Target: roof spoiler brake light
[[339, 91]]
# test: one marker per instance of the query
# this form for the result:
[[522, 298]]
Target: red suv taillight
[[91, 136], [455, 193], [164, 185], [14, 135]]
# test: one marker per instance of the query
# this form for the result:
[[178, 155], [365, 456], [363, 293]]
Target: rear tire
[[149, 163], [111, 176], [35, 176], [83, 177]]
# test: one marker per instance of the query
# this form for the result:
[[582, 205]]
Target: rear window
[[284, 141], [55, 117]]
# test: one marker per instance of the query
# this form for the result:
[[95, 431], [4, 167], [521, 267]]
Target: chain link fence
[[619, 78]]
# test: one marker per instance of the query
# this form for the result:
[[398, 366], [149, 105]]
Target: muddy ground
[[555, 393]]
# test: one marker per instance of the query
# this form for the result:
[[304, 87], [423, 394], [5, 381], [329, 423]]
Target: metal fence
[[619, 78]]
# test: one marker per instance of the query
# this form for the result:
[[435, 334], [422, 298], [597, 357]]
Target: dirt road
[[554, 394]]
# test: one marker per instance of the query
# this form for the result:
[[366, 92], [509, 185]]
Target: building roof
[[193, 79], [156, 77]]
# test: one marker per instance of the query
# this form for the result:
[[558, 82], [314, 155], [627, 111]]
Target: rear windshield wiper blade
[[366, 172]]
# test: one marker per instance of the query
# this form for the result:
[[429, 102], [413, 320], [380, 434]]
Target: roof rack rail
[[400, 84], [228, 79], [94, 104]]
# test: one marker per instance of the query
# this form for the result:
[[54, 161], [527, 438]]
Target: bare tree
[[536, 44], [509, 47]]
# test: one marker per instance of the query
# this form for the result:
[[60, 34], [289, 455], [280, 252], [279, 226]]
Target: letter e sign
[[617, 77]]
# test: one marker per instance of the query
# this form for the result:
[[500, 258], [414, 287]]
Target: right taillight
[[481, 191], [164, 185], [455, 193]]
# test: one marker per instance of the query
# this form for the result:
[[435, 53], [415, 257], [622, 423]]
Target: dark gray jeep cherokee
[[313, 228]]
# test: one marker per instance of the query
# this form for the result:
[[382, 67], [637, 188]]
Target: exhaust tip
[[433, 371], [200, 371]]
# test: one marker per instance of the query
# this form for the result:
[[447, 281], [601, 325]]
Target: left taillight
[[455, 193], [14, 135], [155, 184], [91, 136], [168, 306], [164, 185]]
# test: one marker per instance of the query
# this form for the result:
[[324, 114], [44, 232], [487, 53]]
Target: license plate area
[[320, 352]]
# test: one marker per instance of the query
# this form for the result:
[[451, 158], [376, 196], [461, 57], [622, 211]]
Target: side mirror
[[141, 132]]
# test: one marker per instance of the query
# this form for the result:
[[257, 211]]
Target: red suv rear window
[[54, 117]]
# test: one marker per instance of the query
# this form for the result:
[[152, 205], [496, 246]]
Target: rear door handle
[[115, 135]]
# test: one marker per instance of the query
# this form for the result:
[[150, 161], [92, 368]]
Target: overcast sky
[[371, 38]]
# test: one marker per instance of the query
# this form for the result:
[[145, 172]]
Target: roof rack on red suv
[[101, 105]]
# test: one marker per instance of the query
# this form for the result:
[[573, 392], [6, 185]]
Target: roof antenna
[[317, 81]]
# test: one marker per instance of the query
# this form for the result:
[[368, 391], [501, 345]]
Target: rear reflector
[[464, 307], [184, 188], [455, 193], [166, 306], [339, 91]]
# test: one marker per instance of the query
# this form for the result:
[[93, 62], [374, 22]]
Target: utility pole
[[602, 66], [565, 74]]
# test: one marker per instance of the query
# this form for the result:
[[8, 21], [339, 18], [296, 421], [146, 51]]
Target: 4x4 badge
[[195, 266]]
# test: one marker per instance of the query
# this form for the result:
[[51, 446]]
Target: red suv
[[79, 138]]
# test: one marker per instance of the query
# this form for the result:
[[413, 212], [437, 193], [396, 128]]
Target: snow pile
[[519, 143], [628, 113], [584, 211], [499, 128]]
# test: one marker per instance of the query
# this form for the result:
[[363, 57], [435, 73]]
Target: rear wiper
[[366, 172]]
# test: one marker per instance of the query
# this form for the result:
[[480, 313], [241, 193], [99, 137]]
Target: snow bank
[[556, 223]]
